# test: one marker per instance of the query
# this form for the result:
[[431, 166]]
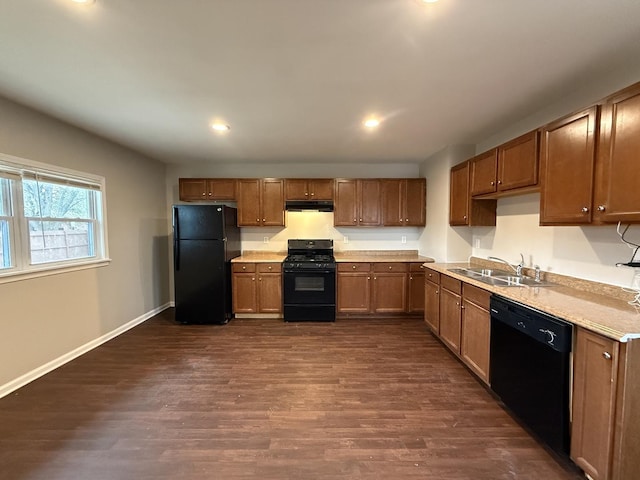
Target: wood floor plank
[[259, 398]]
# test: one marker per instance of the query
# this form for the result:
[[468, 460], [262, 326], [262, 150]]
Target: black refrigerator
[[205, 239]]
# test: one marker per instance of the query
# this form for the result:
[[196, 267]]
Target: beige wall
[[44, 318]]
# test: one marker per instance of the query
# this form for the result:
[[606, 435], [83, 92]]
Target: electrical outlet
[[265, 239], [403, 239], [345, 239]]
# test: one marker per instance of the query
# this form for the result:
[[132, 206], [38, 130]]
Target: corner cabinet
[[261, 202], [463, 210], [404, 202]]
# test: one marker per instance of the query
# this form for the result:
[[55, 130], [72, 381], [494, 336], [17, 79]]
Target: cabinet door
[[459, 195], [354, 292], [567, 162], [272, 202], [321, 189], [296, 189], [390, 292], [369, 203], [484, 169], [432, 306], [392, 205], [518, 162], [450, 308], [249, 203], [192, 189], [269, 293], [476, 330], [594, 387], [415, 204], [416, 291], [346, 205], [618, 172], [244, 293], [221, 189]]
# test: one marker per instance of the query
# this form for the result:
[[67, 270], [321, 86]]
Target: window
[[50, 218]]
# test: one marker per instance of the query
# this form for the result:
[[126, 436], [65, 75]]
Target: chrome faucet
[[518, 268]]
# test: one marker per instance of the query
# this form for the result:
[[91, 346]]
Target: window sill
[[45, 271]]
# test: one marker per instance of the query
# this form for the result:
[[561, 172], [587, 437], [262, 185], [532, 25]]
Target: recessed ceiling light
[[85, 2], [429, 1], [371, 122], [220, 127]]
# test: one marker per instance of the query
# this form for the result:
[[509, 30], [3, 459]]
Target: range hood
[[309, 205]]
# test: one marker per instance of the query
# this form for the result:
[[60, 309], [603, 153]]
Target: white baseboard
[[28, 377]]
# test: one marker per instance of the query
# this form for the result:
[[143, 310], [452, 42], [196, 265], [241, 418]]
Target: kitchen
[[89, 305]]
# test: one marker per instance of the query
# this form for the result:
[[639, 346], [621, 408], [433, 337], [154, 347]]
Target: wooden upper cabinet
[[357, 202], [404, 202], [484, 172], [507, 169], [567, 163], [260, 202], [518, 162], [463, 210], [309, 189], [617, 195], [459, 195], [207, 189]]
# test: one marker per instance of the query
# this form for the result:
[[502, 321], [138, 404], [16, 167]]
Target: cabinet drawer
[[432, 275], [451, 284], [354, 267], [390, 267], [476, 295], [416, 267], [244, 267], [269, 267]]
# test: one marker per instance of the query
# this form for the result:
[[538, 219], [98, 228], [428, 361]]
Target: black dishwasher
[[531, 368]]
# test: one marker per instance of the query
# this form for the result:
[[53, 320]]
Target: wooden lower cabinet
[[390, 287], [432, 300], [476, 330], [380, 288], [257, 288], [354, 288], [415, 300], [450, 312]]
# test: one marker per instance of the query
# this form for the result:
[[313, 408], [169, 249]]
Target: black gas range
[[309, 281]]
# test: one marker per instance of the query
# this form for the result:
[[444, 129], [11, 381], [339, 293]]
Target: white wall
[[584, 252], [439, 240], [44, 318]]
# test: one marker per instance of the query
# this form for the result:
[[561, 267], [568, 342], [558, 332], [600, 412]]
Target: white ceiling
[[295, 78]]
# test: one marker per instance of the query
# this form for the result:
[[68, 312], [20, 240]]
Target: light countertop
[[604, 314]]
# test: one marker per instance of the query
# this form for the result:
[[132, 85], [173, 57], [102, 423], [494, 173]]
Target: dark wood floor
[[355, 399]]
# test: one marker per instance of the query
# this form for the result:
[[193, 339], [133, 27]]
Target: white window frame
[[17, 169]]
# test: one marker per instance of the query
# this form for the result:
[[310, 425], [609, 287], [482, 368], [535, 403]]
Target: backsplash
[[320, 225]]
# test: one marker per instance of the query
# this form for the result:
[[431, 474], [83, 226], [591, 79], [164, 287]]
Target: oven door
[[309, 287]]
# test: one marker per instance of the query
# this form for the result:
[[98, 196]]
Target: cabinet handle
[[355, 220], [375, 278], [353, 266], [360, 219], [244, 268], [584, 210], [210, 194], [437, 292], [254, 279], [601, 208], [312, 194], [410, 277], [368, 278], [204, 194], [499, 182], [492, 183], [270, 267], [260, 279], [464, 217], [264, 219], [406, 219], [606, 355], [390, 268], [306, 194], [400, 220], [258, 220]]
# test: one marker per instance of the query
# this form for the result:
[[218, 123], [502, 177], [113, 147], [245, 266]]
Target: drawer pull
[[606, 355]]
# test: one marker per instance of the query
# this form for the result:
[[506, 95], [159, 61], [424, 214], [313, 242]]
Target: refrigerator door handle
[[176, 242]]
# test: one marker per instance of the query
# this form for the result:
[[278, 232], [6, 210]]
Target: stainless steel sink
[[499, 278]]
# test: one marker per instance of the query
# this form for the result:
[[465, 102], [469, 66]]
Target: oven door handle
[[314, 272]]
